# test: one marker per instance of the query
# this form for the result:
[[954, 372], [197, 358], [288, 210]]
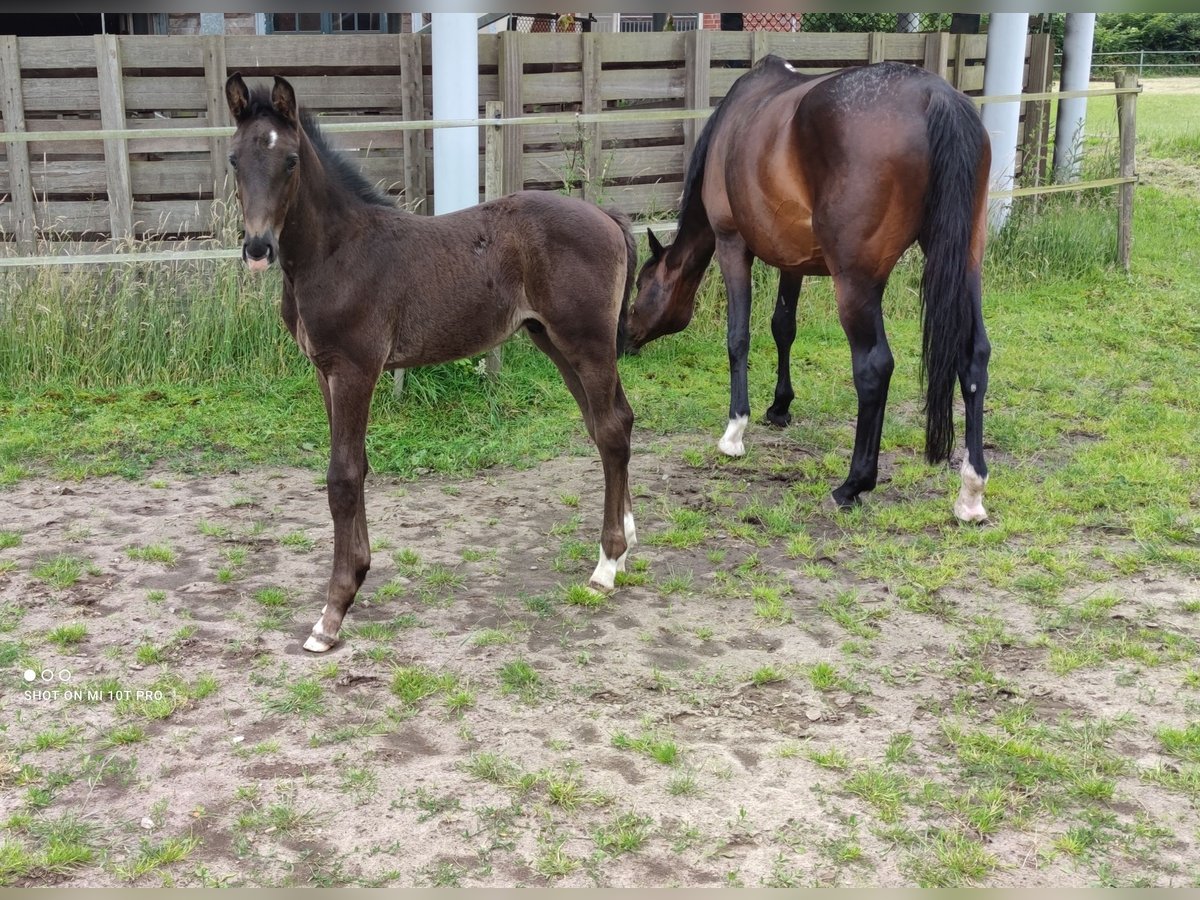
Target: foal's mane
[[339, 167]]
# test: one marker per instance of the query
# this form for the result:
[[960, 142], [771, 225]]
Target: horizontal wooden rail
[[616, 117], [663, 227], [330, 125]]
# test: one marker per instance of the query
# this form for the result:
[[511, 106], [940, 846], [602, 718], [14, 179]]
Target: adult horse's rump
[[838, 175], [367, 287]]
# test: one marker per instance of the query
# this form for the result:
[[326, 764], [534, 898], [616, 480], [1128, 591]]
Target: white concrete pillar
[[1003, 75], [455, 96], [1072, 112]]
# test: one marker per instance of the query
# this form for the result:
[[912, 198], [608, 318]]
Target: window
[[327, 23]]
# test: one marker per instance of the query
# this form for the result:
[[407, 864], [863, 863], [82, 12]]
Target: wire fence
[[1148, 63]]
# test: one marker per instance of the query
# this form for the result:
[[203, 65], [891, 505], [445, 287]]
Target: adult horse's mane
[[337, 165]]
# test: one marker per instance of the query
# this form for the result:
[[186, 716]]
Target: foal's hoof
[[604, 578], [319, 643], [777, 420]]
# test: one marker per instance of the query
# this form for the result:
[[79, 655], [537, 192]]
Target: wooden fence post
[[876, 47], [218, 114], [937, 52], [12, 105], [593, 185], [493, 187], [760, 45], [1037, 112], [511, 71], [960, 60], [697, 55], [116, 150], [1127, 127], [412, 106]]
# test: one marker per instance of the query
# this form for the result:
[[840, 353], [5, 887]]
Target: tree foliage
[[1123, 32]]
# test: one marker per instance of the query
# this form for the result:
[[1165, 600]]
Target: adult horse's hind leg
[[624, 414], [783, 329], [349, 402], [973, 378], [860, 309], [735, 260]]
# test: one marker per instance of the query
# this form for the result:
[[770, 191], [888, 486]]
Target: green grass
[[626, 833], [659, 748], [60, 572], [412, 684], [67, 635], [520, 678], [156, 553]]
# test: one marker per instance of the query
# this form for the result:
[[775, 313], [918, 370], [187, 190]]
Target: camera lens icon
[[30, 675], [48, 675]]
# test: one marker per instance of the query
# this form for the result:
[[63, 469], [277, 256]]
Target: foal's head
[[663, 304], [265, 155]]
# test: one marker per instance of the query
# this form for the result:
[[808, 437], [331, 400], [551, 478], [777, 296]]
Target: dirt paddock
[[715, 721]]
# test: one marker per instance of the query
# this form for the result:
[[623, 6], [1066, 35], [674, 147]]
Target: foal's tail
[[957, 143], [631, 259]]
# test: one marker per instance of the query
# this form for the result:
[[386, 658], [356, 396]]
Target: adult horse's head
[[665, 297], [265, 156]]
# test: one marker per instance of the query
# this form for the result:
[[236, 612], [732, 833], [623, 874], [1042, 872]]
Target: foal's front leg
[[735, 259], [348, 401]]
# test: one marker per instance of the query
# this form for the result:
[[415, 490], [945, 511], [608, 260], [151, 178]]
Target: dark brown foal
[[838, 175], [367, 287]]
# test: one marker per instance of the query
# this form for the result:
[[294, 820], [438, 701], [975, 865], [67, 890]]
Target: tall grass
[[132, 323]]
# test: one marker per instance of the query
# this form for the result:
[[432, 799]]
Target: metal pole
[[455, 96], [1072, 113], [1003, 74]]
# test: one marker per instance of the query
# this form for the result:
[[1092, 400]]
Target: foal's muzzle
[[259, 252]]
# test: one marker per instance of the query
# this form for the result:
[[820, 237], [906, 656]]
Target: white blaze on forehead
[[271, 139]]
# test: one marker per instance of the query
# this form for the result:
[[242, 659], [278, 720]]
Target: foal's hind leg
[[861, 313], [349, 401], [783, 329], [610, 556], [973, 377]]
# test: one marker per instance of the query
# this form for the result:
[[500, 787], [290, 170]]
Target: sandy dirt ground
[[641, 752]]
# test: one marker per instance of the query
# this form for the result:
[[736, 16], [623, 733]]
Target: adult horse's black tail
[[631, 259], [956, 143]]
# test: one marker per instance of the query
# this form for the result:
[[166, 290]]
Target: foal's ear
[[656, 249], [283, 98], [237, 95]]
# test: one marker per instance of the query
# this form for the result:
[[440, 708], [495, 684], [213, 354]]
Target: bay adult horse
[[838, 175], [368, 287]]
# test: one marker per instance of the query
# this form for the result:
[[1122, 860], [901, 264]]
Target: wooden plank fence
[[177, 187]]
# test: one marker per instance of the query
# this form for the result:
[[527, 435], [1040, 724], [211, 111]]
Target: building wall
[[189, 23]]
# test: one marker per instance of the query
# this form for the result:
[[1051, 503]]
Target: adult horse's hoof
[[777, 420], [731, 441], [969, 514], [842, 503], [968, 507]]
